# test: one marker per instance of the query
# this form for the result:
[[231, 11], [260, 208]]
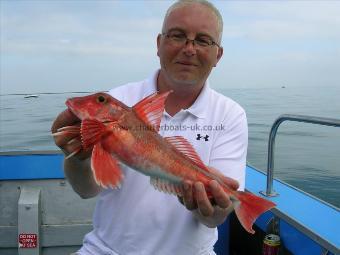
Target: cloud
[[58, 31], [282, 20], [84, 43]]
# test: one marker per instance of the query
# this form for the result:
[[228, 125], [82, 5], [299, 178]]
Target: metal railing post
[[271, 143]]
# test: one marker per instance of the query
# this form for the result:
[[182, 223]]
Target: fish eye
[[101, 99]]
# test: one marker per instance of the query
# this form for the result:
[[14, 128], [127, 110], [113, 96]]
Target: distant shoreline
[[47, 93]]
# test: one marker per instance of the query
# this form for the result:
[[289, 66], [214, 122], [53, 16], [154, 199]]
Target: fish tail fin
[[91, 132], [248, 207]]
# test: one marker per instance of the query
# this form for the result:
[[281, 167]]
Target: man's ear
[[219, 55], [158, 43]]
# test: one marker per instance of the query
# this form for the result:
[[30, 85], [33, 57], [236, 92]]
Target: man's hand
[[68, 142], [77, 168], [211, 212]]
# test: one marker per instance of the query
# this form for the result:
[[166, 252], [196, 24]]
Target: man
[[137, 219]]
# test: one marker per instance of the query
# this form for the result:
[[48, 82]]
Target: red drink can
[[271, 245]]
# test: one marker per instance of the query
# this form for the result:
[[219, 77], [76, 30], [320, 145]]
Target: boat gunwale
[[330, 246], [37, 152], [295, 188]]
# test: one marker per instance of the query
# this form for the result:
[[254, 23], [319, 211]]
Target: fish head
[[100, 106]]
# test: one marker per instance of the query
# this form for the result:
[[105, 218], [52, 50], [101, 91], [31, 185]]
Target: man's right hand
[[77, 168], [66, 141]]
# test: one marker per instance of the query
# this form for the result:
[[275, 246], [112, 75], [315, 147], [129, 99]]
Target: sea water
[[306, 155]]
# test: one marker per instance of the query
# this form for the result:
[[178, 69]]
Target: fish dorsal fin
[[150, 109], [183, 146], [166, 186]]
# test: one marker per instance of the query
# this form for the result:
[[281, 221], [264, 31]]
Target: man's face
[[186, 63]]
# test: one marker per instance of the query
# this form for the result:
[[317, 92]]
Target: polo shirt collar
[[201, 104], [198, 108], [151, 84]]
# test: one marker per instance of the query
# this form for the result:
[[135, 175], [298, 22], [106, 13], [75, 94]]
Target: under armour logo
[[199, 136]]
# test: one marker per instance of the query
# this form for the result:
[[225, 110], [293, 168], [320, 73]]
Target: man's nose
[[190, 47]]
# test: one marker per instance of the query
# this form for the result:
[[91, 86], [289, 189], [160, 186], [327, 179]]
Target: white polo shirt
[[137, 219]]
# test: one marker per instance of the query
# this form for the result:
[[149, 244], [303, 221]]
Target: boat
[[40, 214], [31, 96]]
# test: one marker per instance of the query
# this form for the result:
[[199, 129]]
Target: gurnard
[[118, 133]]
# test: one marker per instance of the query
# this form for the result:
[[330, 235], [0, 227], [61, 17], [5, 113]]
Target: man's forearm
[[79, 175]]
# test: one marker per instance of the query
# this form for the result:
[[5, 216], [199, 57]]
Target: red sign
[[28, 241]]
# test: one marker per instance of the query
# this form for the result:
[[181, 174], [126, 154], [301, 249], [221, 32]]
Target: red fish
[[118, 133]]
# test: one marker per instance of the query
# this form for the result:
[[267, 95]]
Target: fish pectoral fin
[[68, 130], [105, 167], [166, 186], [91, 132], [150, 109]]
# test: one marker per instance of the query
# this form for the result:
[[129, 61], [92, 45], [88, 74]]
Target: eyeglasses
[[180, 39]]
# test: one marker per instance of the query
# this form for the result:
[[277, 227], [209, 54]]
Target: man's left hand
[[211, 212]]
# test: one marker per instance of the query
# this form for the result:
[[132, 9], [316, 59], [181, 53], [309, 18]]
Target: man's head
[[189, 46], [209, 5]]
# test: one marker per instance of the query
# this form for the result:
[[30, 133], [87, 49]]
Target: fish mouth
[[71, 106]]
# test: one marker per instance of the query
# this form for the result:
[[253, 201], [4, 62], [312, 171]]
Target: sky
[[78, 45]]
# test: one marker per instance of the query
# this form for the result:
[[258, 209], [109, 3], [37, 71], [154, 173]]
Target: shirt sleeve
[[229, 150]]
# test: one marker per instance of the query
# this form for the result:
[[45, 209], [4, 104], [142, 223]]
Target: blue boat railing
[[270, 192]]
